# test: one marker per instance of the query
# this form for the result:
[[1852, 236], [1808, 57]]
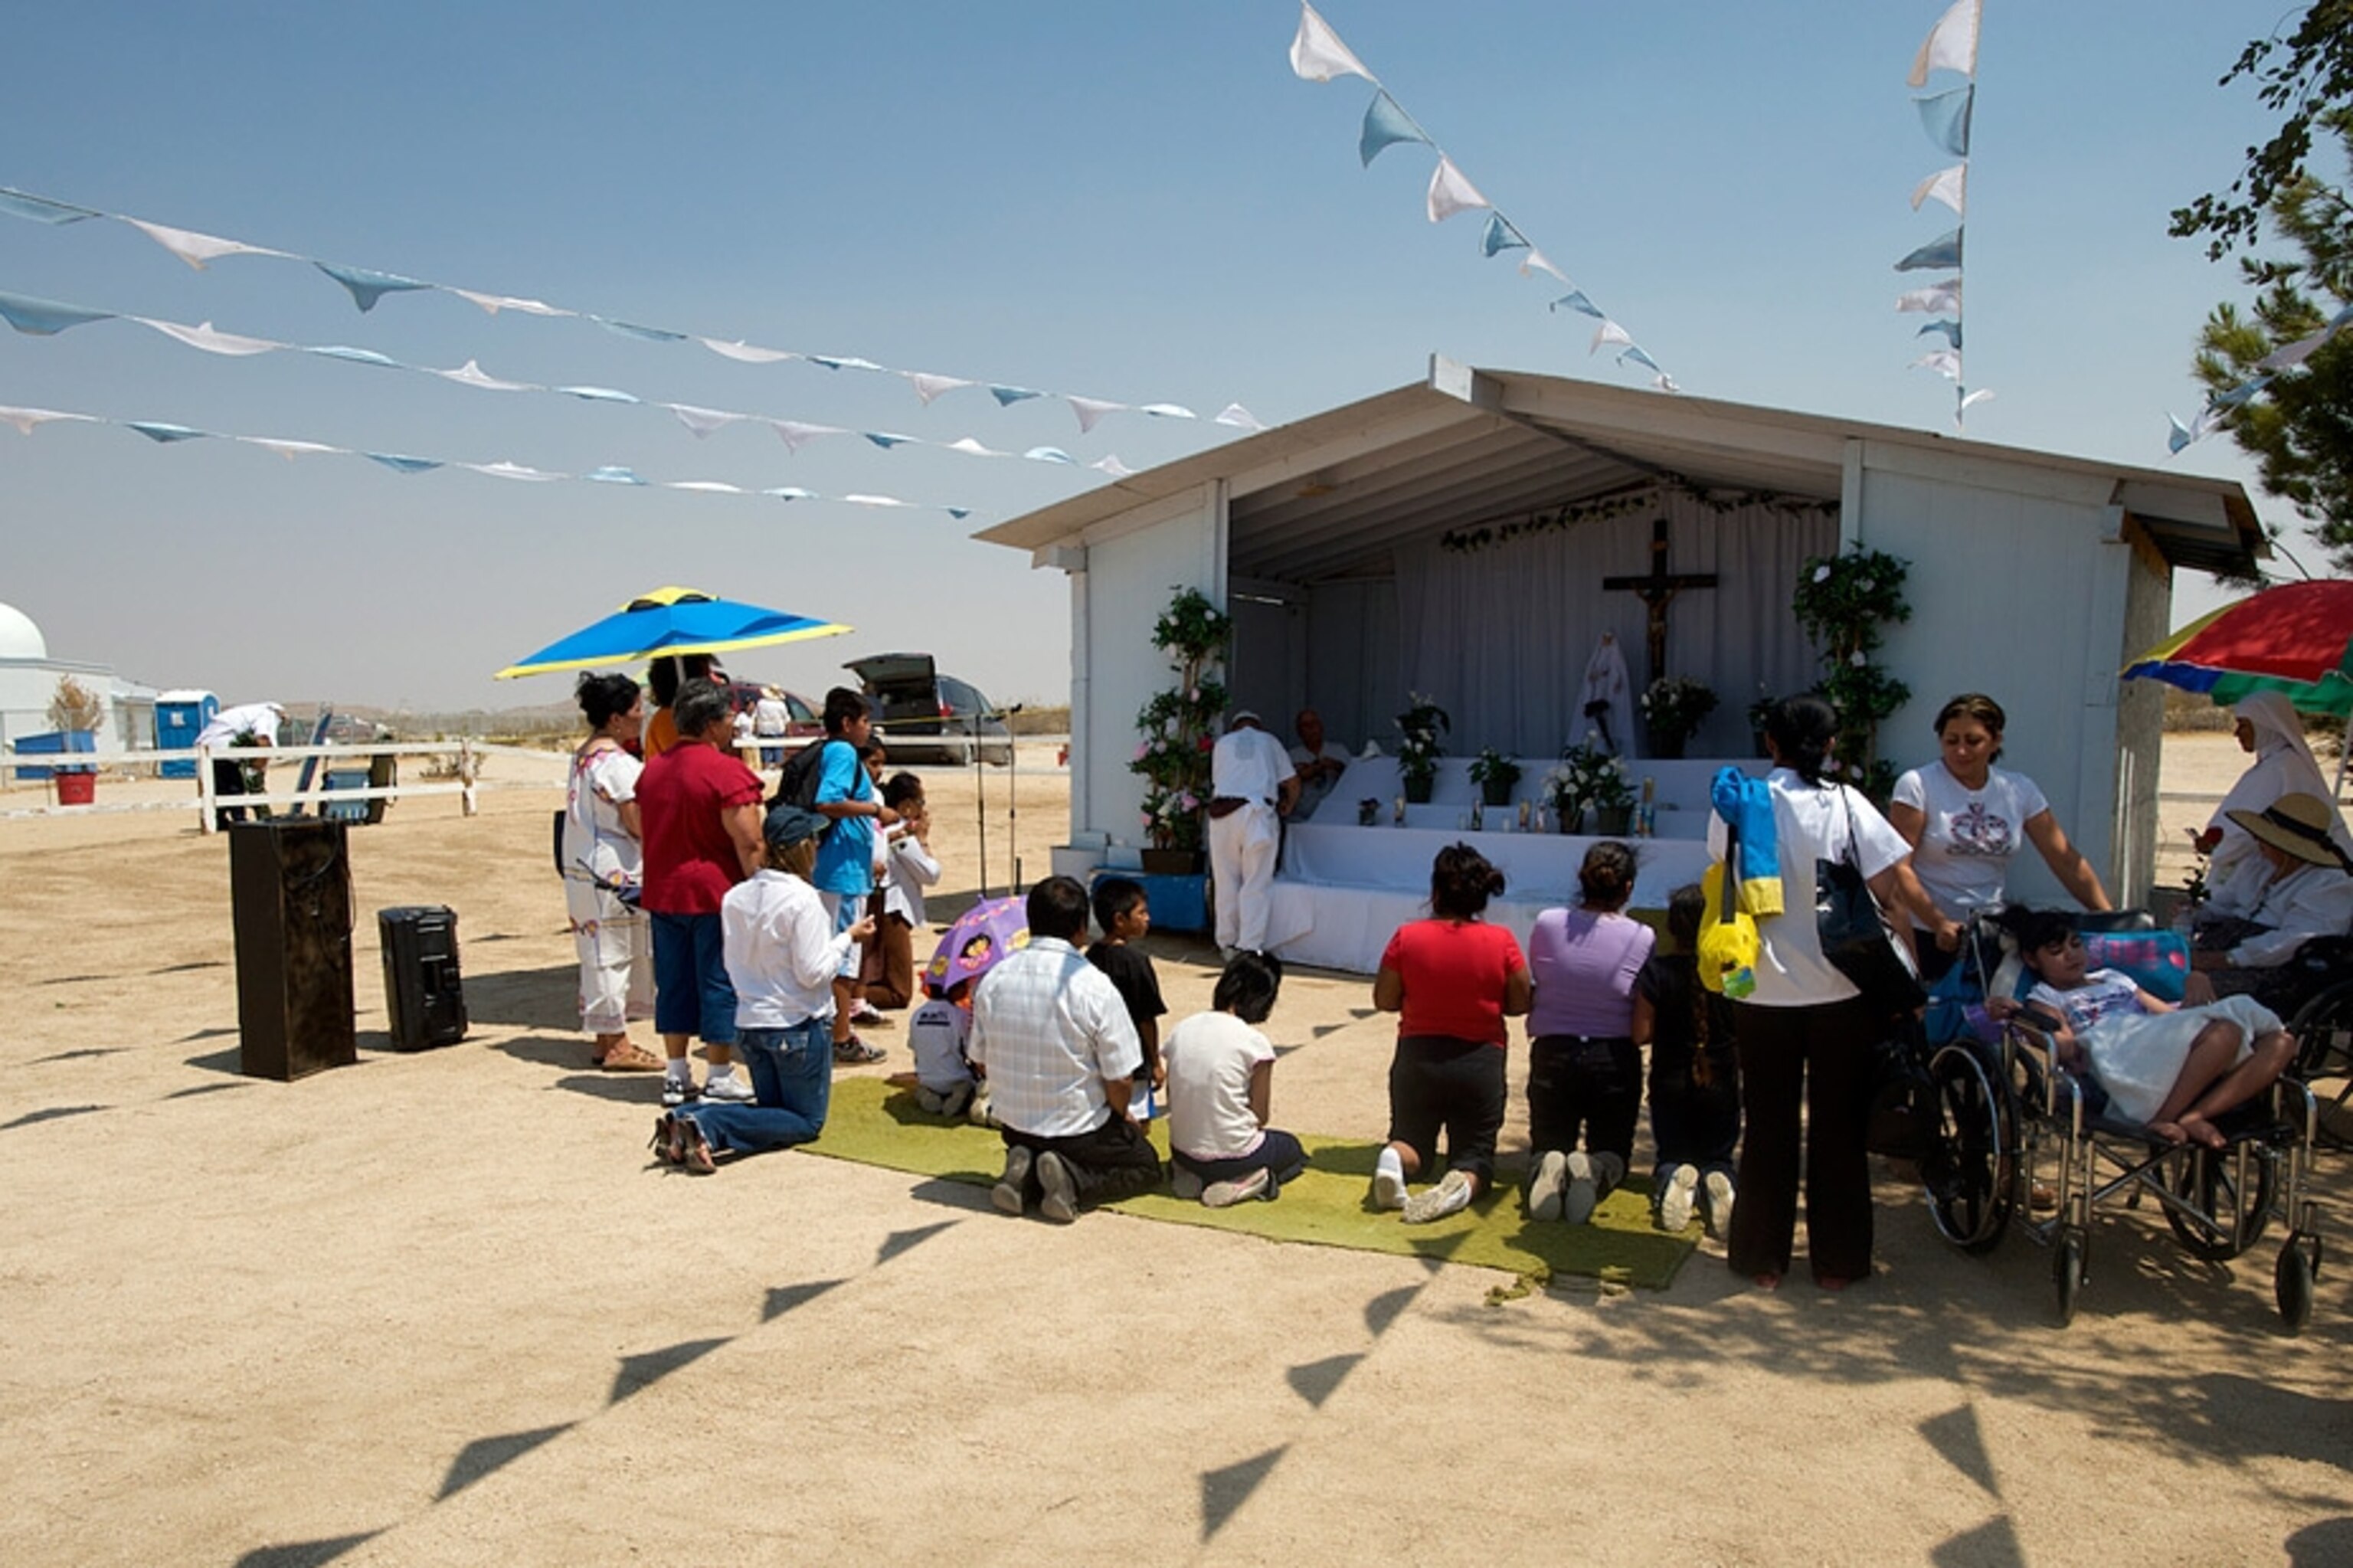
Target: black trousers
[[1823, 1054], [229, 779], [1114, 1161], [1590, 1086], [1437, 1082], [1694, 1123]]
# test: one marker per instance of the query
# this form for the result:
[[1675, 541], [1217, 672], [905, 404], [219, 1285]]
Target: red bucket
[[76, 788]]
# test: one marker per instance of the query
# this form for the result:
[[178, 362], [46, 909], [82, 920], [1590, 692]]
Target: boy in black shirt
[[1124, 916]]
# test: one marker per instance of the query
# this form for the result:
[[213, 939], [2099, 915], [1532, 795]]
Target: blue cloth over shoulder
[[1746, 806]]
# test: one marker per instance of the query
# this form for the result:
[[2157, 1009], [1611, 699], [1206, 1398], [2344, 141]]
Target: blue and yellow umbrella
[[672, 620]]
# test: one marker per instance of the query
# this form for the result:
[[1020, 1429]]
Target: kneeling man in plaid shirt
[[1060, 1055]]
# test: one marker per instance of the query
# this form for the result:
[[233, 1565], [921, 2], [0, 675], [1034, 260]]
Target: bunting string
[[368, 285], [27, 419], [1951, 46], [46, 318], [1317, 54], [2269, 368]]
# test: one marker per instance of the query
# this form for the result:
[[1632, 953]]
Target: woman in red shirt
[[1453, 979]]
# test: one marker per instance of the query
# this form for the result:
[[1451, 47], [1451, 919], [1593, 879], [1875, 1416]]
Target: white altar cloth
[[1342, 890]]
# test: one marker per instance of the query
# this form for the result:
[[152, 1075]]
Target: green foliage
[[1843, 603], [2306, 73], [1176, 728], [1492, 766], [2300, 431], [1673, 708], [1589, 775]]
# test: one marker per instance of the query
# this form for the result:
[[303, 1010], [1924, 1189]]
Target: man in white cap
[[248, 724], [1252, 782]]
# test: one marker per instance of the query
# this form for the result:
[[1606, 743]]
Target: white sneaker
[[1584, 1194], [1226, 1194], [676, 1092], [1545, 1186], [867, 1013], [1389, 1190], [728, 1088], [1720, 1197], [1007, 1194], [1060, 1202], [1450, 1196], [1675, 1202]]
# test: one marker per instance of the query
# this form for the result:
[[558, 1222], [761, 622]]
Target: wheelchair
[[2322, 1023], [2012, 1125]]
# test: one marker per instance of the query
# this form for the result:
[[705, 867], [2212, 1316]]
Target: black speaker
[[423, 993], [289, 885]]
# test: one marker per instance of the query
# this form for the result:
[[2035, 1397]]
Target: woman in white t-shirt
[[1965, 818], [1220, 1081]]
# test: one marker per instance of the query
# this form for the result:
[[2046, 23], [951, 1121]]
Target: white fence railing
[[466, 782]]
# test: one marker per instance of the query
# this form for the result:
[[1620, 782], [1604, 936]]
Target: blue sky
[[1138, 201]]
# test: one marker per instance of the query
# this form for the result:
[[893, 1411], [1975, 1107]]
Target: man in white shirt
[[1320, 763], [1252, 782], [248, 724], [770, 722], [1061, 1054]]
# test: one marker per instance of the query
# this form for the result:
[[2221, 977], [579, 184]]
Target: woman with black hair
[[1805, 1031], [1585, 1072], [1221, 1090], [1452, 979], [602, 870]]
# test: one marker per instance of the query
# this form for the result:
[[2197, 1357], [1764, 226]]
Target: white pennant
[[1091, 411], [494, 303], [1951, 45], [1449, 193], [195, 248], [1534, 261], [972, 445], [210, 341], [1237, 416], [1979, 395], [746, 352], [876, 501], [1951, 186], [473, 375], [25, 420], [1608, 332], [1111, 466], [1945, 362], [289, 450], [702, 422], [797, 435], [930, 387], [704, 486], [2290, 355], [511, 471], [1937, 299], [1318, 55]]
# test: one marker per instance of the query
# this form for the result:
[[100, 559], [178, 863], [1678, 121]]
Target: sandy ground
[[443, 1308]]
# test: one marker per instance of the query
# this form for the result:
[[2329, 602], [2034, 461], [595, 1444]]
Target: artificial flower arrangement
[[1495, 774], [1418, 747], [1672, 710], [1587, 774]]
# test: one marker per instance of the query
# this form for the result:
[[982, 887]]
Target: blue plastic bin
[[1178, 903], [56, 743]]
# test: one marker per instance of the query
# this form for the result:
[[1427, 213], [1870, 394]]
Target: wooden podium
[[290, 898]]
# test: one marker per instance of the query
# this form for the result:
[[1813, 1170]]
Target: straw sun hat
[[2297, 824]]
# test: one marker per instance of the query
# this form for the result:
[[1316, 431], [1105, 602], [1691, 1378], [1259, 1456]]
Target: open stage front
[[1342, 889]]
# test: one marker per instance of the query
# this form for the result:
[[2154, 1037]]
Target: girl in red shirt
[[1453, 979]]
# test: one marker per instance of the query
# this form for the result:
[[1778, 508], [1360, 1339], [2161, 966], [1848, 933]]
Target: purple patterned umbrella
[[981, 935]]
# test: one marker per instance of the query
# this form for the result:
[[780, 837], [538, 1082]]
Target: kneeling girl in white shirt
[[1220, 1082]]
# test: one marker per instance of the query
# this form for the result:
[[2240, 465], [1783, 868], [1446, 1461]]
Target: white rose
[[1821, 574]]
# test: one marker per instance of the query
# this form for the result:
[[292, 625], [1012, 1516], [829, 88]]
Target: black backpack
[[804, 769]]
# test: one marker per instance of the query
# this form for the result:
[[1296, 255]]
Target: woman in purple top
[[1585, 1072]]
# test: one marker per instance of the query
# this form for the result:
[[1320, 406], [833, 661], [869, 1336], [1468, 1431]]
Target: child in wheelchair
[[2169, 1068]]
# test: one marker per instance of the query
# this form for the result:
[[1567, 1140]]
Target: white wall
[[1129, 580], [2018, 590], [1355, 668]]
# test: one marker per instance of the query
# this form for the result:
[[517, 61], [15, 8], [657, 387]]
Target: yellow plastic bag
[[1727, 948]]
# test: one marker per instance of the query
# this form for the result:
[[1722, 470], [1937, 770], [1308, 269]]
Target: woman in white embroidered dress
[[601, 872]]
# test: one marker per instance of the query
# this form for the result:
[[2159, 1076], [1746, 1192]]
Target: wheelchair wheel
[[1971, 1178], [2207, 1179], [2323, 1028], [2071, 1265], [2292, 1284]]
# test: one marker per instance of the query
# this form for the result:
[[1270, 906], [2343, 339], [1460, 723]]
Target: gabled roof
[[1337, 492]]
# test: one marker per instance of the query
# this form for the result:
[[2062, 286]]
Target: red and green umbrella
[[2295, 639]]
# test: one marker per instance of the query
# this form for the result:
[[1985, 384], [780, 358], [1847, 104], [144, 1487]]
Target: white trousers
[[616, 965], [1243, 845]]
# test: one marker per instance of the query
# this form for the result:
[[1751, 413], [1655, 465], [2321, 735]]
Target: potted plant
[[1175, 731], [1672, 710], [74, 712], [1419, 750], [1842, 603], [1495, 774], [1589, 775]]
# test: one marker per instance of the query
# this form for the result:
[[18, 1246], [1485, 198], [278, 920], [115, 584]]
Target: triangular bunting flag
[[365, 287], [1091, 411], [1945, 117], [702, 422], [1318, 55], [1948, 186], [1384, 126], [1943, 361], [1952, 44], [1451, 193], [1607, 333], [1237, 416], [45, 318], [1952, 331], [1500, 236], [930, 387], [194, 248], [1576, 300], [211, 341], [745, 354], [1945, 250], [1111, 466], [1937, 299]]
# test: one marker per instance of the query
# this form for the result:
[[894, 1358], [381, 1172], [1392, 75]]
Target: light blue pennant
[[842, 361], [631, 329], [599, 394], [1952, 331], [356, 355], [1576, 300], [1050, 454], [164, 435], [613, 475], [885, 440], [1500, 236], [1385, 125], [1945, 117], [1007, 396], [1945, 250], [46, 318], [1634, 352], [399, 464], [41, 209], [366, 287]]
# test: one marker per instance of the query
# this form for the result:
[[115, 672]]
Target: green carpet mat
[[874, 1123]]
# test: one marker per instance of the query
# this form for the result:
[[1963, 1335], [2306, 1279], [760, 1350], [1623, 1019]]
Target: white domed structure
[[19, 638]]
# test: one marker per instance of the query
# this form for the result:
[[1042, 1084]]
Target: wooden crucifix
[[1658, 590]]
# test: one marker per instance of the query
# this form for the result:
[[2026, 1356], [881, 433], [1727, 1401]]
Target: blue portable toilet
[[180, 716]]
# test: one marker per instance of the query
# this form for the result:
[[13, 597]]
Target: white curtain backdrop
[[1501, 636]]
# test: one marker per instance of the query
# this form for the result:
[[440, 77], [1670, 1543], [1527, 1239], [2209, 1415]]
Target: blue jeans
[[792, 1082]]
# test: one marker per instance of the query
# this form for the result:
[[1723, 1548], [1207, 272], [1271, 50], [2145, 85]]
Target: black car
[[922, 715]]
